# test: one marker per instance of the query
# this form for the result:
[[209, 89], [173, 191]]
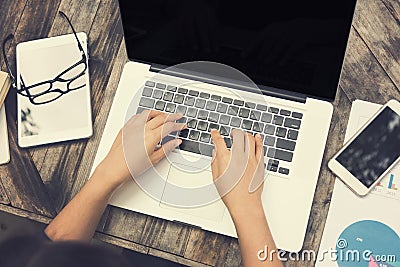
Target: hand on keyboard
[[238, 173], [134, 149]]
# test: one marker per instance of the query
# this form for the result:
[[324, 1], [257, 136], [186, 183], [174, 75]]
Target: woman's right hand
[[239, 173]]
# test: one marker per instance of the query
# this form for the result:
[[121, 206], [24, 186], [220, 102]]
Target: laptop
[[267, 67]]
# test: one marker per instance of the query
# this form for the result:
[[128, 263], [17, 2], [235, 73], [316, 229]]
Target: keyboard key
[[184, 133], [211, 105], [182, 120], [170, 108], [285, 144], [232, 110], [167, 139], [278, 120], [250, 105], [194, 135], [160, 105], [140, 110], [191, 124], [157, 94], [280, 154], [216, 97], [261, 107], [273, 162], [192, 112], [146, 102], [281, 132], [244, 113], [200, 103], [193, 93], [255, 115], [228, 142], [179, 99], [284, 171], [213, 117], [227, 100], [189, 101], [269, 129], [273, 110], [272, 168], [205, 137], [238, 102], [246, 124], [213, 126], [222, 108], [266, 117], [292, 123], [224, 119], [195, 147], [171, 88], [225, 130], [297, 115], [202, 126], [203, 115], [147, 92], [285, 112], [269, 140], [205, 95], [168, 96], [292, 134], [258, 127], [183, 91], [235, 122], [181, 109], [150, 84], [161, 86]]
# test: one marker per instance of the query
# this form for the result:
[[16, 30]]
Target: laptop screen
[[293, 45]]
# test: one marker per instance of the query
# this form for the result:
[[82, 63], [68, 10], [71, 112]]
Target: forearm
[[79, 219], [254, 235]]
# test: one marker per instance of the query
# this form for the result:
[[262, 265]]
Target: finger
[[168, 128], [150, 114], [162, 118], [219, 142], [237, 141], [250, 145], [259, 147], [214, 165], [164, 150]]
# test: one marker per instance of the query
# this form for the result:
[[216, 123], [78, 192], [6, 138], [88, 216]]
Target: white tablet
[[68, 117]]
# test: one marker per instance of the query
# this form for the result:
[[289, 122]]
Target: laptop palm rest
[[191, 191]]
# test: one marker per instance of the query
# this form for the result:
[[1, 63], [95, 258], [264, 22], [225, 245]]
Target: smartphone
[[370, 154]]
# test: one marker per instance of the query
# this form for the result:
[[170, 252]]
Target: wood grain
[[40, 181]]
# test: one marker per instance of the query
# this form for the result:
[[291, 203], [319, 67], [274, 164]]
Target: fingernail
[[178, 142]]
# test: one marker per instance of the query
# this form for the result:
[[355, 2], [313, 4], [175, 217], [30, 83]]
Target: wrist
[[104, 180], [241, 213]]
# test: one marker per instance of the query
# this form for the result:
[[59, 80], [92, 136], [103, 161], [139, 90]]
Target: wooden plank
[[121, 243], [101, 119], [22, 182], [233, 257], [24, 214], [3, 195], [362, 76], [206, 247], [175, 258], [165, 235], [378, 24], [125, 224]]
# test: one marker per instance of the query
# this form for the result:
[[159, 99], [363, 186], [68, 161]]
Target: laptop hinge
[[207, 78]]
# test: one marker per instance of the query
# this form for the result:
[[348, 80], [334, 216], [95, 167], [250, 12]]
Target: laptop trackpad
[[191, 191]]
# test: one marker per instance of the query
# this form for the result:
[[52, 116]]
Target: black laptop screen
[[294, 45]]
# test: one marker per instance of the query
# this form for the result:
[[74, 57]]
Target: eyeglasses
[[45, 92]]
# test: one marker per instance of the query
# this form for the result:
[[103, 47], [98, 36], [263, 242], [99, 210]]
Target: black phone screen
[[375, 149]]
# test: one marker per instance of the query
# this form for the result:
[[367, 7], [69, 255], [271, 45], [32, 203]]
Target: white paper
[[379, 210], [4, 146]]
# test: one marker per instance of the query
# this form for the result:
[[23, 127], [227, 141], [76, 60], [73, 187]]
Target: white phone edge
[[343, 174]]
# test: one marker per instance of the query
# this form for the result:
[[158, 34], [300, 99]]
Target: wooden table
[[39, 182]]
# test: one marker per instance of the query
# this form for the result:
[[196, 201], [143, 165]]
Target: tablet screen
[[69, 116], [375, 149]]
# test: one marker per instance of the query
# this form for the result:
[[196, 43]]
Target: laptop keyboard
[[279, 128]]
